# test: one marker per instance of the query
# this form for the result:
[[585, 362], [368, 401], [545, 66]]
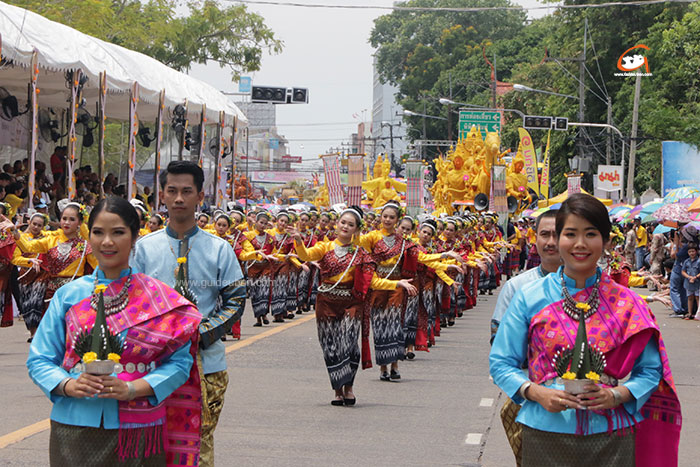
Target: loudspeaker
[[512, 204], [481, 202]]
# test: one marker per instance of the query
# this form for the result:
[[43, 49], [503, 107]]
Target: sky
[[328, 52]]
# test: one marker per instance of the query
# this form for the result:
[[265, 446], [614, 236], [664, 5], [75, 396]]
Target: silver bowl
[[576, 386], [100, 367]]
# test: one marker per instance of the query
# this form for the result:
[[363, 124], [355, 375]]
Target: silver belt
[[119, 368], [386, 270], [346, 293]]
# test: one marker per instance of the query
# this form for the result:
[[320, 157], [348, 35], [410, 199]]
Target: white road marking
[[486, 402], [473, 438]]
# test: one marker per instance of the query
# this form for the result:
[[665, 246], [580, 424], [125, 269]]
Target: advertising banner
[[331, 168], [544, 178], [355, 168], [414, 187], [530, 160], [610, 178], [680, 166]]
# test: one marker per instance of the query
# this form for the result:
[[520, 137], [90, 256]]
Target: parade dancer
[[305, 275], [260, 269], [347, 273], [283, 273]]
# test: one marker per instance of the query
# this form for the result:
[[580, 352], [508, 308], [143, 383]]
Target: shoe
[[338, 402], [290, 316], [676, 315], [223, 338], [278, 319], [350, 402], [30, 340], [443, 323], [430, 344], [450, 323], [299, 312], [490, 292], [460, 314], [257, 325], [410, 355], [266, 321], [395, 375], [384, 376]]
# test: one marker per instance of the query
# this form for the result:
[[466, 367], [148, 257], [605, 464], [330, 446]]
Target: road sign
[[484, 120], [245, 84], [274, 143]]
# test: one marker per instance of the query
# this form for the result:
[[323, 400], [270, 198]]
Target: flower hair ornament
[[395, 205], [81, 209], [264, 214], [430, 223], [43, 216], [222, 215]]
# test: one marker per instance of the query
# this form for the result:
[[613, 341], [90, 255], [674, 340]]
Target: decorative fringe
[[130, 438], [582, 422]]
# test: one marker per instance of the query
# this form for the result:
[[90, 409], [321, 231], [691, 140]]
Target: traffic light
[[535, 122], [299, 96], [561, 123], [269, 94]]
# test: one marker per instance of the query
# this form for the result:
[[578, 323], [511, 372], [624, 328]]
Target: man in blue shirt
[[212, 274], [546, 244]]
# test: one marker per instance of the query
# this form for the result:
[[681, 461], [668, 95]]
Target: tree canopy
[[430, 55], [177, 33]]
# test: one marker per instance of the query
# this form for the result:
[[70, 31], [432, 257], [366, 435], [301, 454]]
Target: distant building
[[388, 133], [265, 147]]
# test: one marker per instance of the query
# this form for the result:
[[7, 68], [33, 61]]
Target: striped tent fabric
[[414, 187], [498, 191], [355, 168], [331, 167]]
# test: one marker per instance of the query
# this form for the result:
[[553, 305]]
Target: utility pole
[[422, 148], [633, 138], [581, 87], [495, 84], [608, 148], [449, 113]]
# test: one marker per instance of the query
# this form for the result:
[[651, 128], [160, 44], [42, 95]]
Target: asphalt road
[[277, 410]]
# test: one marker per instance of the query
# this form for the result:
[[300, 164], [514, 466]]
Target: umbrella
[[660, 229], [672, 214], [619, 211], [539, 211], [527, 212], [678, 194], [649, 208], [694, 206]]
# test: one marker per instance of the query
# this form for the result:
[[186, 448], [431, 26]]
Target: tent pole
[[102, 102], [72, 114], [233, 146], [33, 140], [181, 143], [202, 135], [133, 130], [159, 140], [218, 195]]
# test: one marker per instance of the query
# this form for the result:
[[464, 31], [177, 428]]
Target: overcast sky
[[327, 51]]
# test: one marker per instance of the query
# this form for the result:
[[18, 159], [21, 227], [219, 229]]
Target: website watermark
[[628, 64]]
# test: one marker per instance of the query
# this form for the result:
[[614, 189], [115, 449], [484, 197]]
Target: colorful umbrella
[[620, 210], [660, 229], [672, 214], [694, 206], [678, 194], [527, 212]]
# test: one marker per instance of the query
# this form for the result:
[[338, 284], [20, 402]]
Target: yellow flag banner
[[544, 181], [530, 160]]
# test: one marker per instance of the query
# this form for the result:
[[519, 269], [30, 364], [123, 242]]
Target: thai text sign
[[485, 121], [610, 178]]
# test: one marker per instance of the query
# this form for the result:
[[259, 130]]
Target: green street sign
[[486, 121]]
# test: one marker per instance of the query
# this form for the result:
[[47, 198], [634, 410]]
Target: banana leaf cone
[[99, 330], [581, 360]]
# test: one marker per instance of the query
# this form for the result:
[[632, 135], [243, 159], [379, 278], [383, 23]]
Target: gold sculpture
[[382, 188]]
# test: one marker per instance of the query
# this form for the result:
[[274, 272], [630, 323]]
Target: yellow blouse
[[248, 253], [281, 256], [23, 261], [368, 241], [43, 245], [320, 249]]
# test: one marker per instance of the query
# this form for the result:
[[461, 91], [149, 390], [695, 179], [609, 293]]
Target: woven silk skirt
[[73, 446], [387, 325], [544, 448]]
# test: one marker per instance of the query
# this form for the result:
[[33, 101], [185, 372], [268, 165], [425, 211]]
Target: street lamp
[[408, 113], [523, 88]]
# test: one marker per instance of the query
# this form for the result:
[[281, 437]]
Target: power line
[[456, 9], [590, 36]]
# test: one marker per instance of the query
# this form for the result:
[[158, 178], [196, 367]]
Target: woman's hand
[[599, 398], [456, 286], [455, 267], [294, 233], [114, 388], [36, 264], [553, 400], [406, 284], [85, 386], [304, 267], [454, 255]]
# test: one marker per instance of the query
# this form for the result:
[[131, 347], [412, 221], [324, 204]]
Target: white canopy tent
[[56, 49]]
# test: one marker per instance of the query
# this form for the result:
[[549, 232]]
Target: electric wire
[[600, 72]]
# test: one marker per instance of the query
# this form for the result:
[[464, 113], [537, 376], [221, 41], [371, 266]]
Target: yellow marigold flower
[[583, 306], [100, 288], [592, 375], [182, 260], [569, 375], [114, 357], [89, 357]]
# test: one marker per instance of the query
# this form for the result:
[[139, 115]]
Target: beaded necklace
[[571, 306], [115, 303]]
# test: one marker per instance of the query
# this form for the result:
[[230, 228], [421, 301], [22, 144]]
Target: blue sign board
[[274, 143], [680, 166], [245, 84]]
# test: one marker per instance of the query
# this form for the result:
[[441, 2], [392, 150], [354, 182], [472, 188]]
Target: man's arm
[[232, 293]]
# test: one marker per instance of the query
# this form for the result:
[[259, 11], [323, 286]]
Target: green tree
[[230, 35]]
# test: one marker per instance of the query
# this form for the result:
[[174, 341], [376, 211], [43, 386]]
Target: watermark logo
[[629, 64]]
